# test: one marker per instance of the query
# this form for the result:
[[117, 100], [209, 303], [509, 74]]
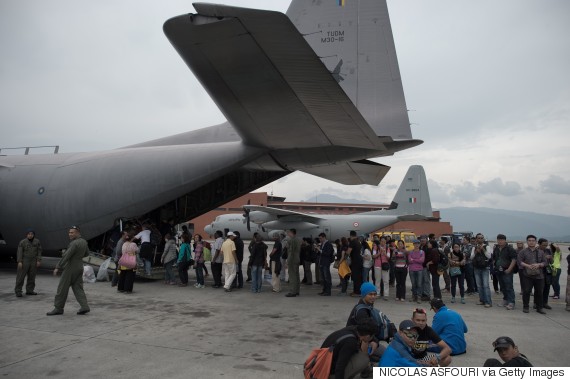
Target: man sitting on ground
[[399, 352], [429, 347], [450, 327], [509, 353], [350, 353], [362, 312]]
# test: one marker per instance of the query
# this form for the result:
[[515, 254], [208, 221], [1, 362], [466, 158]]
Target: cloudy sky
[[488, 82]]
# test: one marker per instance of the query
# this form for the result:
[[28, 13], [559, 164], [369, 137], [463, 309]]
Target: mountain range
[[516, 225]]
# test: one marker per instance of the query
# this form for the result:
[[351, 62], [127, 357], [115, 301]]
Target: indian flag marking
[[413, 200], [341, 2]]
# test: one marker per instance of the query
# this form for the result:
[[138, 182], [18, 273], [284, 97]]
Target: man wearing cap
[[399, 352], [29, 257], [230, 261], [449, 325], [362, 312], [71, 265], [509, 353], [504, 262]]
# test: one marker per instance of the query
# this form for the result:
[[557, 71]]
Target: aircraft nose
[[208, 228]]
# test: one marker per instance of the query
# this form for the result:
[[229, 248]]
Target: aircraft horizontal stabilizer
[[352, 173], [267, 80]]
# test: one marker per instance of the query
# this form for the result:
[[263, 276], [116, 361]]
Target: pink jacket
[[415, 260]]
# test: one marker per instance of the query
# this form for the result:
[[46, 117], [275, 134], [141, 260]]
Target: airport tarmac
[[170, 331]]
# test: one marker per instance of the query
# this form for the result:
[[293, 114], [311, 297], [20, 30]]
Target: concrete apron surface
[[170, 331]]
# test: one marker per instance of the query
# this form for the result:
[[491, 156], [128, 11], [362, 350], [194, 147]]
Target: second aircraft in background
[[411, 203]]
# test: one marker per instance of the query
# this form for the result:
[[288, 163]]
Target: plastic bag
[[102, 274], [88, 275]]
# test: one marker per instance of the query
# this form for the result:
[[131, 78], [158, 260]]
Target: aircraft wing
[[282, 213], [267, 80]]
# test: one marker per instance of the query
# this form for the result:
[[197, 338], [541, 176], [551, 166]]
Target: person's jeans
[[454, 280], [183, 272], [435, 286], [507, 286], [326, 278], [426, 285], [238, 281], [417, 279], [528, 283], [556, 283], [308, 274], [217, 273], [147, 266], [168, 272], [470, 278], [482, 280], [546, 291], [365, 273], [401, 274], [256, 278], [200, 273]]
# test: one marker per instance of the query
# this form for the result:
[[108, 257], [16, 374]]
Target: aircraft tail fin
[[354, 40], [412, 197]]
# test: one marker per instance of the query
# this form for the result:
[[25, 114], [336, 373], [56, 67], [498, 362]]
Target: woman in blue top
[[184, 256]]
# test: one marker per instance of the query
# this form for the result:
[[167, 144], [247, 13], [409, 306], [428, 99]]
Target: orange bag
[[318, 365], [343, 269]]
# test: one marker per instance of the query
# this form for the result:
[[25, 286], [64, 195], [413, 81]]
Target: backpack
[[386, 328], [318, 364], [443, 263], [480, 261]]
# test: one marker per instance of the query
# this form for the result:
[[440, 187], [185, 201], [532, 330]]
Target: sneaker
[[462, 300], [556, 297], [488, 305], [453, 299], [510, 307], [197, 285], [402, 300]]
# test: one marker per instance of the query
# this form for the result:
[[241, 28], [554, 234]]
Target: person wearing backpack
[[350, 349], [504, 262], [481, 254], [364, 310]]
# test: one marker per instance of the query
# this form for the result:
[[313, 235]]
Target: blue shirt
[[451, 328], [398, 354]]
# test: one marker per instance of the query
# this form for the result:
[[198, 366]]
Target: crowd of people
[[371, 267]]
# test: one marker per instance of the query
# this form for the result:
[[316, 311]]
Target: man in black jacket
[[350, 355], [327, 257], [504, 263], [509, 353]]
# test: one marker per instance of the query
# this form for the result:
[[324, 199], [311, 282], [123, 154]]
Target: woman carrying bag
[[127, 265]]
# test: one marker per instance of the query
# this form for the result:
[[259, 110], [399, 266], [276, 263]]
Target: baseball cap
[[503, 342], [408, 325], [231, 234]]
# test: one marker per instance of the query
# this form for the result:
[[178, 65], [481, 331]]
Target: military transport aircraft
[[411, 203], [317, 90]]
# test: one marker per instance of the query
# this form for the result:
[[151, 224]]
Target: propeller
[[246, 215]]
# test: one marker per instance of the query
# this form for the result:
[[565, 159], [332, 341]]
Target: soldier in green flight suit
[[72, 276], [29, 258]]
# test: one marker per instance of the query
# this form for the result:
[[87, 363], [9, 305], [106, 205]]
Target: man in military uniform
[[29, 258], [71, 265], [293, 258]]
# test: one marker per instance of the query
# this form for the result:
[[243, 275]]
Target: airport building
[[433, 225]]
